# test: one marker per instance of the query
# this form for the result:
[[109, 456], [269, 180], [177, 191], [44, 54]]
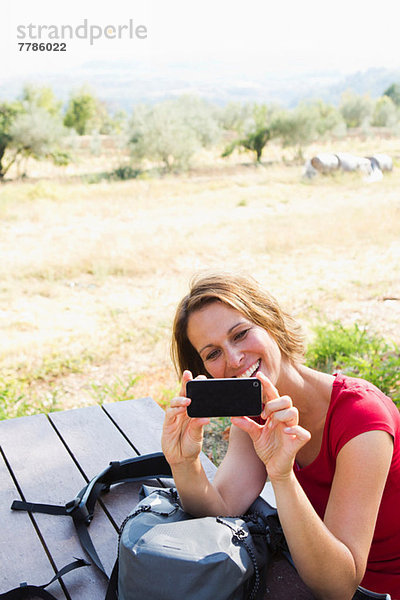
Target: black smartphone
[[230, 397]]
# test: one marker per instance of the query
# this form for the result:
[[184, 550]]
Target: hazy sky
[[282, 35]]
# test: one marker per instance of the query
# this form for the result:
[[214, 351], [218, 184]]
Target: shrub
[[356, 352], [356, 110], [125, 172], [385, 113], [393, 92]]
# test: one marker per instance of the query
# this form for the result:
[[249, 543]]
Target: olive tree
[[386, 113], [37, 134], [254, 130], [200, 116], [356, 109], [393, 92], [8, 113], [296, 127], [328, 118], [235, 115], [41, 97], [161, 133], [85, 113]]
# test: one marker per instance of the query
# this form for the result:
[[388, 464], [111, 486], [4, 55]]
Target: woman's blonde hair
[[245, 295]]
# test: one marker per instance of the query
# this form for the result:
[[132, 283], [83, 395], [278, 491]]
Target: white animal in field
[[351, 163], [309, 172], [371, 166], [382, 161], [325, 162]]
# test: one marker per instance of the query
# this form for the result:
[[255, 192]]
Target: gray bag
[[166, 554]]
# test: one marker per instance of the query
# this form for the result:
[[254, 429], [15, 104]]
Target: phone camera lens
[[256, 384]]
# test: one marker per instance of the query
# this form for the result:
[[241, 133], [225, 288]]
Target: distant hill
[[125, 83]]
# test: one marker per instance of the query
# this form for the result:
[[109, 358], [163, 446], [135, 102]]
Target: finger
[[178, 407], [187, 376], [180, 401], [249, 426], [269, 390], [298, 434], [172, 413], [277, 404], [289, 417], [199, 422]]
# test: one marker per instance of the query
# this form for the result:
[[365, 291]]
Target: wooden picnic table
[[49, 458]]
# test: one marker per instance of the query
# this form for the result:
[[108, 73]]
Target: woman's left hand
[[281, 437]]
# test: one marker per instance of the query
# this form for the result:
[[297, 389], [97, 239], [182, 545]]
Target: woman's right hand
[[182, 436]]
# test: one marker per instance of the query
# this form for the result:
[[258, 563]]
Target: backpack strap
[[81, 508], [112, 589], [38, 591]]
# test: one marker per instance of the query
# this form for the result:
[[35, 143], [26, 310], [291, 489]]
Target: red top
[[356, 407]]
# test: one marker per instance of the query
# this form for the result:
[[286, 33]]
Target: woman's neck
[[309, 390]]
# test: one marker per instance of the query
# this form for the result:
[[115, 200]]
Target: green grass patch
[[357, 352], [31, 389], [16, 400], [55, 366], [117, 390]]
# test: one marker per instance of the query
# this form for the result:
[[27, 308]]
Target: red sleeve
[[359, 409]]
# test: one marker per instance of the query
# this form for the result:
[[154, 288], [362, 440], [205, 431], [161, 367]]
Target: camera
[[229, 397]]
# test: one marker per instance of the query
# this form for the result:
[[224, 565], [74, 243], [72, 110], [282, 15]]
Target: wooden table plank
[[92, 437], [94, 440], [144, 426], [22, 556], [46, 473], [141, 420]]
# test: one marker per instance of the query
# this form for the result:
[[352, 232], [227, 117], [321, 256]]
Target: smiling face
[[230, 345]]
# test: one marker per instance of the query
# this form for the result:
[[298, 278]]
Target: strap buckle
[[78, 510]]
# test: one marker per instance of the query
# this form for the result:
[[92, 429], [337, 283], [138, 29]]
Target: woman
[[330, 445]]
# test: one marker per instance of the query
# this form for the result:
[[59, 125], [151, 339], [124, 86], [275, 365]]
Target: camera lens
[[255, 384]]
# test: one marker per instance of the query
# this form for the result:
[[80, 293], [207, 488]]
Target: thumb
[[249, 426], [196, 426]]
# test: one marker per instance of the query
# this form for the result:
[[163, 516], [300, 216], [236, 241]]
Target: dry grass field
[[90, 274]]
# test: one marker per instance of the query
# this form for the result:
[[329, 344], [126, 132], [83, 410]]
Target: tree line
[[170, 132]]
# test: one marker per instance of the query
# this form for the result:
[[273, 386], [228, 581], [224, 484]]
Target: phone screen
[[233, 397]]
